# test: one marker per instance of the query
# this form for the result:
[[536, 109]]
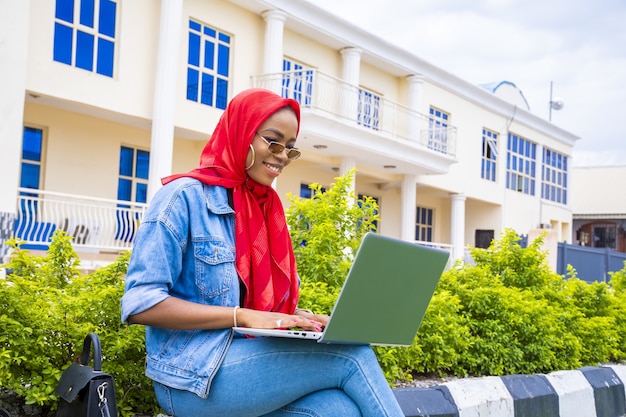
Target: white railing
[[349, 104], [95, 223]]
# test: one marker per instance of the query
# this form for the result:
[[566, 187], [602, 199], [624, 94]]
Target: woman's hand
[[270, 320]]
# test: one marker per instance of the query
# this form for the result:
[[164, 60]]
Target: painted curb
[[585, 392]]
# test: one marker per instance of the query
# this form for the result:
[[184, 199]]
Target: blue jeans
[[273, 377]]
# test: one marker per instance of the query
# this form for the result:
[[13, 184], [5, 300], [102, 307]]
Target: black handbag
[[87, 391]]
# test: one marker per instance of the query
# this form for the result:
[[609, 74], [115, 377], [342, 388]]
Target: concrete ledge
[[586, 392]]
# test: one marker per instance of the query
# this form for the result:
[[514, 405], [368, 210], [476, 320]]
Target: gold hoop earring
[[253, 158]]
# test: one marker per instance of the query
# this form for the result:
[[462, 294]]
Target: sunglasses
[[277, 148]]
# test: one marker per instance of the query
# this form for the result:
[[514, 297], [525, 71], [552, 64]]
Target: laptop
[[384, 297]]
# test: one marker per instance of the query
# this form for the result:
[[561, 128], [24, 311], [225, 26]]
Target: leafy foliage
[[327, 229], [48, 307], [505, 313]]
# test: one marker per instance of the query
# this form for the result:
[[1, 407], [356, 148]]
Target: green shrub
[[327, 229], [48, 307], [505, 313]]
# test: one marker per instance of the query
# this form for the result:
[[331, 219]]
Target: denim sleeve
[[154, 267]]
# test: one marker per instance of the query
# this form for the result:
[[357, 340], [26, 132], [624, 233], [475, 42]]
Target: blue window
[[424, 224], [84, 34], [30, 177], [132, 185], [32, 145], [208, 65], [521, 164], [438, 130], [369, 109], [133, 175], [297, 82], [554, 176], [489, 155]]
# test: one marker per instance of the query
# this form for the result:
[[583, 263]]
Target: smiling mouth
[[275, 168]]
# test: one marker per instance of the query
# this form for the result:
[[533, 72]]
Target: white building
[[95, 91]]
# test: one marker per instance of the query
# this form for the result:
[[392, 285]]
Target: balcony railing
[[327, 95], [96, 224]]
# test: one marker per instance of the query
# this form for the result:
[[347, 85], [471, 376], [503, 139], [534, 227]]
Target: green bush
[[48, 307], [506, 312], [327, 229]]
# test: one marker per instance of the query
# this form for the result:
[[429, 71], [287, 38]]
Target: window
[[489, 156], [424, 224], [297, 82], [84, 34], [554, 176], [520, 164], [369, 109], [208, 63], [133, 175], [30, 164], [132, 185], [438, 130], [28, 225], [605, 236]]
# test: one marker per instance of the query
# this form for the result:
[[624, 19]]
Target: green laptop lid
[[386, 292]]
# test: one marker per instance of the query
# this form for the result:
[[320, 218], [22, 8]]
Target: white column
[[408, 207], [457, 225], [273, 47], [350, 74], [164, 100], [14, 29], [415, 124]]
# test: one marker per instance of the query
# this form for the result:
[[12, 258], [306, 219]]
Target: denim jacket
[[185, 247]]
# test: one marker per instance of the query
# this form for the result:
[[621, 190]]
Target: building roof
[[598, 192]]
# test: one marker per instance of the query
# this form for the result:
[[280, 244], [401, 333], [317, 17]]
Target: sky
[[578, 46]]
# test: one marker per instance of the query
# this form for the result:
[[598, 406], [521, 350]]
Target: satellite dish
[[557, 104]]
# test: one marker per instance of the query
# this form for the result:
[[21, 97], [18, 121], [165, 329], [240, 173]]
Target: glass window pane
[[62, 44], [65, 10], [106, 20], [209, 54], [126, 161], [224, 38], [209, 32], [192, 84], [194, 26], [84, 50], [193, 57], [206, 96], [141, 194], [124, 189], [87, 12], [143, 163], [305, 191], [222, 60], [222, 94], [105, 57], [30, 175], [31, 144]]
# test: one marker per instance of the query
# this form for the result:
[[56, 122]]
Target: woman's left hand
[[270, 320]]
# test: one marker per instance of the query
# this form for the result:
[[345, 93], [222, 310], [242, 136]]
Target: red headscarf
[[265, 260]]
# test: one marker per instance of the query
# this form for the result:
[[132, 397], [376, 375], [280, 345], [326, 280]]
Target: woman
[[214, 252]]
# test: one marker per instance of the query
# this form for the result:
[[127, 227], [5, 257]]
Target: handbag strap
[[92, 339]]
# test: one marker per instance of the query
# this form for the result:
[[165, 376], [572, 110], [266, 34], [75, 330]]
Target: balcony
[[330, 97], [96, 224]]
